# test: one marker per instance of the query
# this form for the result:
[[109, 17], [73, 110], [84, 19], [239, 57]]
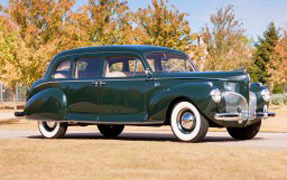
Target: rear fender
[[49, 104]]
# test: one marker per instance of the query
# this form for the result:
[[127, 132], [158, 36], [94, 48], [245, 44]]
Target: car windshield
[[168, 62]]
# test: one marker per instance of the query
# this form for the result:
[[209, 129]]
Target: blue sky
[[254, 14]]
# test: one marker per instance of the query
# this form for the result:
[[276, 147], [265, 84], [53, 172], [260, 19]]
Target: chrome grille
[[252, 105], [236, 103]]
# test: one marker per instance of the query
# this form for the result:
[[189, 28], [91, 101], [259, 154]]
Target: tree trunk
[[14, 99]]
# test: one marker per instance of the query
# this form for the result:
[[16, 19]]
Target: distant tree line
[[33, 31], [229, 48]]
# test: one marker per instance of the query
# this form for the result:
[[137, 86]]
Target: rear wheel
[[51, 129], [187, 124], [111, 130], [245, 133]]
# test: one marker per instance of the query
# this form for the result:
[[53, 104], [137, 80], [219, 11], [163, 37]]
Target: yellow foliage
[[32, 32], [278, 63], [227, 45]]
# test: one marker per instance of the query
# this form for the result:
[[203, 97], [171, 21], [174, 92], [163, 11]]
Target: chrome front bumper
[[239, 116]]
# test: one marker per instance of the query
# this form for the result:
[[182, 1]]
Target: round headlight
[[216, 95], [266, 95]]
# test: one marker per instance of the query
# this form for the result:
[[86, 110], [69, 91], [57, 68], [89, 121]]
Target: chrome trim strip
[[116, 123], [228, 116], [126, 79], [194, 78], [103, 122], [91, 80]]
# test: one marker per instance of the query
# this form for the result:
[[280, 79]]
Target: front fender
[[257, 89], [197, 92], [48, 104]]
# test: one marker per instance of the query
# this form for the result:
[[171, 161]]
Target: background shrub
[[279, 99]]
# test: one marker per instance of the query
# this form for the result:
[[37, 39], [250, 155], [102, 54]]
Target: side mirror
[[148, 73]]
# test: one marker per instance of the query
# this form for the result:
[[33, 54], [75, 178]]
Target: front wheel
[[50, 129], [187, 124], [111, 130], [245, 133]]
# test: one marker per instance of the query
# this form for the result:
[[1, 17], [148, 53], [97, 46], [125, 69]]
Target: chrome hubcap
[[187, 120], [51, 124]]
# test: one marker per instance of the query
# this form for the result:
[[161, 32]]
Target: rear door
[[83, 89], [122, 96]]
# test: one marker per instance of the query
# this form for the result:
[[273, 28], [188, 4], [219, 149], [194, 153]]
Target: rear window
[[63, 70]]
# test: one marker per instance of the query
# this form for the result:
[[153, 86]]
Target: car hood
[[232, 76]]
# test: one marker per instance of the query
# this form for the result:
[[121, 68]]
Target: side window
[[151, 63], [116, 67], [136, 66], [63, 70], [169, 62], [123, 66], [87, 68]]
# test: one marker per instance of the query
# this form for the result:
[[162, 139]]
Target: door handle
[[99, 83], [102, 83], [96, 83]]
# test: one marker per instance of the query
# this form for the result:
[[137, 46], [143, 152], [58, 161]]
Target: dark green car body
[[146, 99]]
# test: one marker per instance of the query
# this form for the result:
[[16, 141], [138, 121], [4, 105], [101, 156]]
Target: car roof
[[141, 49], [138, 48]]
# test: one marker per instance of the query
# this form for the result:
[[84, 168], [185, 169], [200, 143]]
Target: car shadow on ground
[[138, 136]]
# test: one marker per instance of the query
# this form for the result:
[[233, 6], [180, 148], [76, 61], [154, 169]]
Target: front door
[[123, 85], [83, 89]]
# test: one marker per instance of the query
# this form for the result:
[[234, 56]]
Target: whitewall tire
[[51, 129], [186, 122]]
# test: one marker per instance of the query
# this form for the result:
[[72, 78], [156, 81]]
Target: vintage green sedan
[[114, 86]]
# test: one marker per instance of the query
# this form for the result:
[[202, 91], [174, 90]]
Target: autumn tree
[[276, 67], [160, 25], [43, 29], [106, 22], [227, 45], [12, 51], [34, 31], [265, 49]]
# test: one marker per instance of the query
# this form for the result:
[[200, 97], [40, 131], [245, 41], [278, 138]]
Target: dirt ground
[[85, 158], [132, 159], [277, 123]]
